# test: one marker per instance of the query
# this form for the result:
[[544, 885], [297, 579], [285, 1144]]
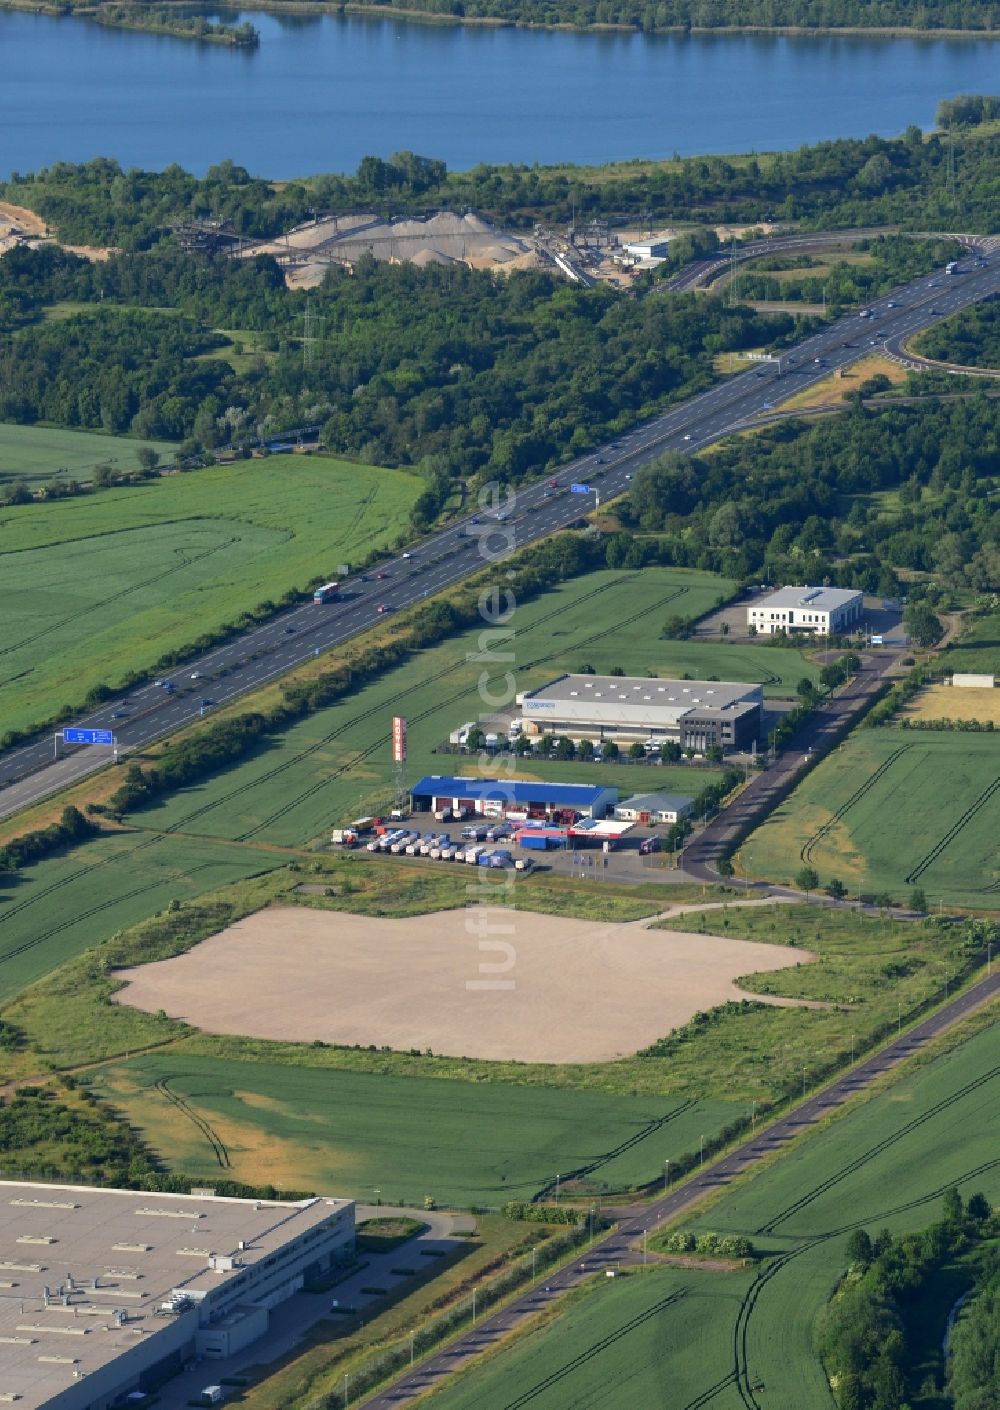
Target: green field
[[337, 762], [348, 1132], [892, 809], [977, 649], [63, 905], [40, 454], [103, 585], [684, 1338]]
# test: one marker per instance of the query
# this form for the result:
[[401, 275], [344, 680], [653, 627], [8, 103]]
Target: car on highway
[[553, 484], [381, 576], [118, 714], [407, 555], [289, 631], [687, 435], [384, 607], [195, 675], [207, 701]]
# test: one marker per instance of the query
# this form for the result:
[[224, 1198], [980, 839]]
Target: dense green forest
[[447, 368], [974, 1368], [971, 337], [650, 15], [872, 1338], [842, 184], [803, 502]]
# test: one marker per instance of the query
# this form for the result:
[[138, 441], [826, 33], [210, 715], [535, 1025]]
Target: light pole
[[666, 1176], [558, 1178], [899, 1017], [412, 1335], [644, 1248], [803, 1084], [701, 1160], [347, 1401], [378, 1196], [474, 1306]]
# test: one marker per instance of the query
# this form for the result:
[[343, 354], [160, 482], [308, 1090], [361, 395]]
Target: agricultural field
[[344, 1132], [103, 585], [885, 1164], [845, 818], [63, 905], [39, 455], [337, 763], [977, 649], [946, 702]]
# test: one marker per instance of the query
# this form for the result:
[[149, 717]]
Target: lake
[[322, 91]]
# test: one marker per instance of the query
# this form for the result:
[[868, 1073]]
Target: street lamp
[[701, 1160], [474, 1306], [666, 1176], [378, 1195]]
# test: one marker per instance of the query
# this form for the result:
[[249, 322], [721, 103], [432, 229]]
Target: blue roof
[[510, 790]]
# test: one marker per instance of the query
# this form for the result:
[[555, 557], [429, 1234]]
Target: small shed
[[972, 681]]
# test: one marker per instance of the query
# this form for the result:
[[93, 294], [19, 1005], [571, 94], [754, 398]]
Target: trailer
[[472, 854], [326, 593], [501, 859]]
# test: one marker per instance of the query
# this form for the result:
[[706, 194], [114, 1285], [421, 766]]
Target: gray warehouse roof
[[644, 690], [819, 599], [114, 1251], [656, 802]]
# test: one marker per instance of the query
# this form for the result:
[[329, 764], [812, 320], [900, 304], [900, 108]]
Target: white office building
[[815, 611]]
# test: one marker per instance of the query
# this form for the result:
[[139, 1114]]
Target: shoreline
[[418, 16], [104, 16]]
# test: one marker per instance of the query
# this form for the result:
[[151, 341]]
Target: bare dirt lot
[[483, 982]]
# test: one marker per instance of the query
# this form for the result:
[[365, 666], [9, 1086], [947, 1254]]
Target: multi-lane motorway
[[32, 772]]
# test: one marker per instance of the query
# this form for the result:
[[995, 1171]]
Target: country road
[[624, 1244]]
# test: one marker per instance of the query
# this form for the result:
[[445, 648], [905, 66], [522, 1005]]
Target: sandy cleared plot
[[951, 702], [484, 982]]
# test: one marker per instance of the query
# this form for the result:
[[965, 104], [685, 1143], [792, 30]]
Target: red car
[[553, 484], [383, 607], [380, 576]]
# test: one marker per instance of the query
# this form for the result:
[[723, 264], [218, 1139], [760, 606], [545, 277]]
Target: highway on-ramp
[[31, 772]]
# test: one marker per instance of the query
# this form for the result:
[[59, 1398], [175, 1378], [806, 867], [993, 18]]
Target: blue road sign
[[579, 489], [88, 736]]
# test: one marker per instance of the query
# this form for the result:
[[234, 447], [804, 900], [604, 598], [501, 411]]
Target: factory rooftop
[[644, 690], [85, 1273]]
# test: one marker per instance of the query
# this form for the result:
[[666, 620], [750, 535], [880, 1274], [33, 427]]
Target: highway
[[627, 1244], [31, 772]]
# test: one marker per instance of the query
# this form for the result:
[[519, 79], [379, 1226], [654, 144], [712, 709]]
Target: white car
[[196, 675]]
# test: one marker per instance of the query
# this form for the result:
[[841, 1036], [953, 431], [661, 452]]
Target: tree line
[[651, 16], [942, 181], [868, 1337]]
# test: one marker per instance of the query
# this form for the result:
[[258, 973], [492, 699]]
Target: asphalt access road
[[626, 1243], [765, 790], [27, 774]]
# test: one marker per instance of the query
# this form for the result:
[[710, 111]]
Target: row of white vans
[[440, 847]]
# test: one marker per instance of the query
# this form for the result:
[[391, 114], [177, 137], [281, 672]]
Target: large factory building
[[105, 1292], [698, 715]]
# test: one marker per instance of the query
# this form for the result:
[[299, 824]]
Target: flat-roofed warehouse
[[696, 714], [104, 1292], [819, 611], [511, 797]]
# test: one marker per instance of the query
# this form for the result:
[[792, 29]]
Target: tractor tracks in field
[[806, 850], [944, 842], [219, 1148], [118, 596]]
